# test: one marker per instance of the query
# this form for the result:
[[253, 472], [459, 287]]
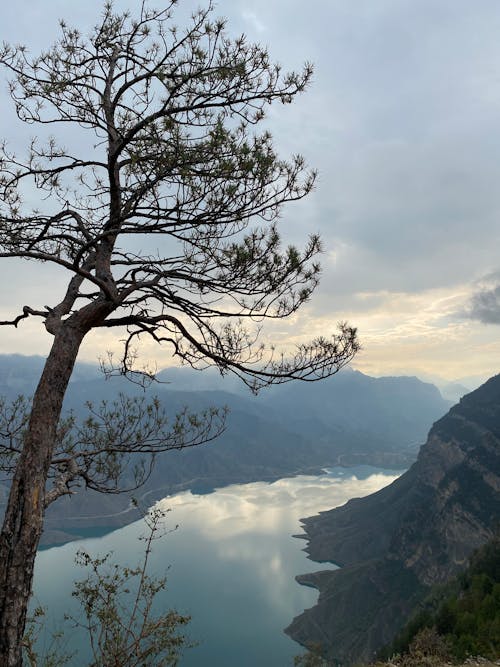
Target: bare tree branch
[[164, 216]]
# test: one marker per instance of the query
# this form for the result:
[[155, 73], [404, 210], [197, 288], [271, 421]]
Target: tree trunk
[[23, 519]]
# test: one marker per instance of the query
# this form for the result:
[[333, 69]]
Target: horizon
[[442, 384]]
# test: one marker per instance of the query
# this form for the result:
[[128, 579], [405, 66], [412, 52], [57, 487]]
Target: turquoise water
[[231, 564]]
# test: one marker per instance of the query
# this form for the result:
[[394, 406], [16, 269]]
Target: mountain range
[[295, 428], [394, 545]]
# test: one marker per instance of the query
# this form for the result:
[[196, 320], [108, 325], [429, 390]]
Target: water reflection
[[232, 563]]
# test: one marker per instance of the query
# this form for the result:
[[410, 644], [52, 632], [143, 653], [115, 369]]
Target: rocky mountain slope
[[417, 532]]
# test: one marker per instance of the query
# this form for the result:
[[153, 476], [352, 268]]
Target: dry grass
[[429, 649]]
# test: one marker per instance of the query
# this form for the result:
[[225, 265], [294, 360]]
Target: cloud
[[484, 305], [253, 20], [401, 121]]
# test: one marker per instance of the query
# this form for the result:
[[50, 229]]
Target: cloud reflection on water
[[250, 528], [232, 563], [262, 508]]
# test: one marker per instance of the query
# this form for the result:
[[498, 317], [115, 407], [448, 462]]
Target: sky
[[402, 121]]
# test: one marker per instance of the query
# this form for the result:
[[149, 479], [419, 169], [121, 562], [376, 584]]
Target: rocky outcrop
[[419, 531]]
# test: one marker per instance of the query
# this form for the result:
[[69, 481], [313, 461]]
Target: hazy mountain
[[293, 428], [19, 374], [419, 531], [383, 413], [453, 391]]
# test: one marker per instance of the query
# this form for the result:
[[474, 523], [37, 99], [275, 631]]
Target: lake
[[231, 564]]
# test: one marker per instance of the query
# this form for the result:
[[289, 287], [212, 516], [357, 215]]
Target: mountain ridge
[[285, 431], [416, 532]]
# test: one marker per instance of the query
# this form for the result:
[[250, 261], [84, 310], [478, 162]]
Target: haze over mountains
[[298, 427], [419, 531], [391, 546]]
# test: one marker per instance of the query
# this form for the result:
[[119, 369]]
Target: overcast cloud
[[402, 121]]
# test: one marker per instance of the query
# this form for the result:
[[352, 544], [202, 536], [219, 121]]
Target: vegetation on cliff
[[457, 623], [465, 613]]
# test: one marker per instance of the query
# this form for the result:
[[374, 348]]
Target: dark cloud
[[484, 304]]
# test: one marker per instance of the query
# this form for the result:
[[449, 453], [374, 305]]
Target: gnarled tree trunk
[[23, 519]]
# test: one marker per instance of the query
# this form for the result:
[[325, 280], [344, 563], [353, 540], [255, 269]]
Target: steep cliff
[[417, 532]]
